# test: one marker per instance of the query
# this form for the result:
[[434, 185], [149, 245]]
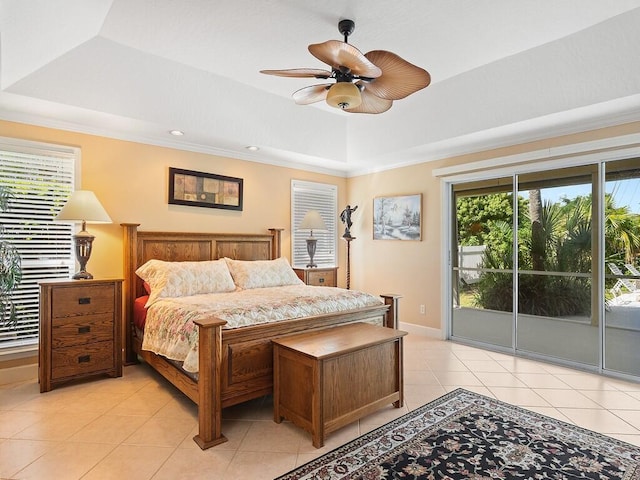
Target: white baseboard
[[421, 330], [22, 373]]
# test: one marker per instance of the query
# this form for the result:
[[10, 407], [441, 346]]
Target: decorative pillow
[[262, 273], [180, 279]]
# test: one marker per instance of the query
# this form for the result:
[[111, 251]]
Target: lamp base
[[83, 241], [82, 275], [311, 250]]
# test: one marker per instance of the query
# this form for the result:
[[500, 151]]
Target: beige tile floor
[[140, 427]]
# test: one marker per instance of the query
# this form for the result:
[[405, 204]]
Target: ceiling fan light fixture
[[344, 95], [365, 83]]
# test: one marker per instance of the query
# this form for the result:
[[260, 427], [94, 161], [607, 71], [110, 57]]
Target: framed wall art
[[398, 217], [199, 189]]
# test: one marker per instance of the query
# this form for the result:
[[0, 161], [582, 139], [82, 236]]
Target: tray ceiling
[[503, 72]]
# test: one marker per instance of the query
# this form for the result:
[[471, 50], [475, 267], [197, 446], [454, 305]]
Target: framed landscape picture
[[200, 189], [398, 217]]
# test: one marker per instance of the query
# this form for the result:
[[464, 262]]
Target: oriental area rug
[[464, 435]]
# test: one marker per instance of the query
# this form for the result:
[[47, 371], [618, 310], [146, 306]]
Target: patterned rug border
[[453, 403]]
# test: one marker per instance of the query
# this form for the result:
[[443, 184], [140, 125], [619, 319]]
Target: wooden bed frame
[[236, 365]]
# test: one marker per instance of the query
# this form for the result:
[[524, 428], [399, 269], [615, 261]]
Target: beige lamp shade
[[83, 206], [312, 221], [344, 95]]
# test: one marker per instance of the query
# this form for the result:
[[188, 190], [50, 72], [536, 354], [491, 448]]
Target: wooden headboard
[[139, 247]]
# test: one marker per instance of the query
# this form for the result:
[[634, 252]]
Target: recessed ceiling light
[[177, 133], [253, 148]]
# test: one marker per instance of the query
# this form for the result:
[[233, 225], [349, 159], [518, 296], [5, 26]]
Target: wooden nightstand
[[80, 330], [319, 276]]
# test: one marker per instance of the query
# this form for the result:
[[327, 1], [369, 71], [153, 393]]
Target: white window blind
[[322, 197], [40, 178]]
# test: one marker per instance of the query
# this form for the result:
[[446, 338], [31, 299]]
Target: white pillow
[[262, 273], [181, 279]]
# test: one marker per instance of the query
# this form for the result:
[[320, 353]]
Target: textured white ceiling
[[503, 71]]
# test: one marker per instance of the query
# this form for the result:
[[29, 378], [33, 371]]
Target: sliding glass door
[[622, 267], [483, 265], [556, 264], [548, 264]]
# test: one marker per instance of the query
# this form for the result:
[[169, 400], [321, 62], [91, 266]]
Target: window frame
[[56, 258], [323, 197]]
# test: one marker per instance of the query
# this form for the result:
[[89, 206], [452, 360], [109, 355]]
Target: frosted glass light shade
[[344, 95]]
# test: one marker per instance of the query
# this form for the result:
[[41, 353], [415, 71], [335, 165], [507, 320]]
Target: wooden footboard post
[[209, 384], [391, 317]]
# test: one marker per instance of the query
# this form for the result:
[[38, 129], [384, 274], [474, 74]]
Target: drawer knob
[[84, 300], [321, 280], [85, 329], [84, 359]]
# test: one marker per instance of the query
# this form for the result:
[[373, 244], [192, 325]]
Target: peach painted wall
[[130, 179]]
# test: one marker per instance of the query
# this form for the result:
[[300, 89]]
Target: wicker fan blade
[[299, 73], [312, 94], [340, 54], [371, 104], [399, 78]]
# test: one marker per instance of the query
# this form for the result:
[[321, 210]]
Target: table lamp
[[83, 206], [312, 221]]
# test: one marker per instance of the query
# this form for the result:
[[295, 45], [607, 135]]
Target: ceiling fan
[[365, 83]]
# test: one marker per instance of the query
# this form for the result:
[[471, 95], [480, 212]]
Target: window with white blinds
[[322, 197], [40, 178]]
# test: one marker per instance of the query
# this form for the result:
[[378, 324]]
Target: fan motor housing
[[346, 28]]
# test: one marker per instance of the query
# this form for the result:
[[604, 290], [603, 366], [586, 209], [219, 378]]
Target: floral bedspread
[[170, 331]]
